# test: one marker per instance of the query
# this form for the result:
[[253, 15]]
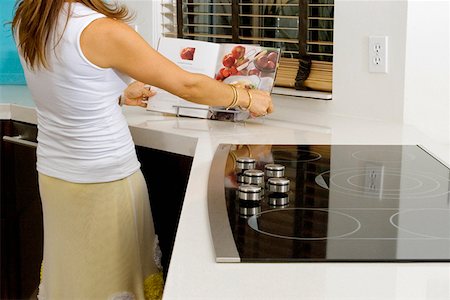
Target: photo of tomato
[[187, 53]]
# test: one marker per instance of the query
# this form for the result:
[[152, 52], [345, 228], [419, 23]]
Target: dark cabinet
[[21, 212], [167, 176]]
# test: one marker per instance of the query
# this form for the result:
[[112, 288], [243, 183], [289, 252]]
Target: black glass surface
[[346, 203]]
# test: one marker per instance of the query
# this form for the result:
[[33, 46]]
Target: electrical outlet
[[374, 179], [378, 54]]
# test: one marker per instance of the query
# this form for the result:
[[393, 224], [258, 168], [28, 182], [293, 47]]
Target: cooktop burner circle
[[300, 156], [358, 182], [431, 223], [382, 156], [303, 223]]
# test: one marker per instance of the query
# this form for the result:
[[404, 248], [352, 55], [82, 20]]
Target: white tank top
[[82, 134]]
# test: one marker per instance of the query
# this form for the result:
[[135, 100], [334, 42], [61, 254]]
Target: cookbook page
[[192, 56], [249, 66]]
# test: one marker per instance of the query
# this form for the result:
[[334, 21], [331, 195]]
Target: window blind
[[301, 28]]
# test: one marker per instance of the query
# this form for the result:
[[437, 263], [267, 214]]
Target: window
[[303, 29]]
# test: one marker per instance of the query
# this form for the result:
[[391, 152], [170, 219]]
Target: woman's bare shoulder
[[102, 37], [107, 27]]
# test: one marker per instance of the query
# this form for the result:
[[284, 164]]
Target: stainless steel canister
[[244, 163], [274, 170], [278, 185], [249, 200], [248, 192], [255, 177]]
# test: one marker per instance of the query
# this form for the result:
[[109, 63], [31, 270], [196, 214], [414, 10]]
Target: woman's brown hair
[[34, 21]]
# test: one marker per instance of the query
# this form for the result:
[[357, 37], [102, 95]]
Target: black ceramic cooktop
[[345, 203]]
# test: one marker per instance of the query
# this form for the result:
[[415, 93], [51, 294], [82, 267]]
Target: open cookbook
[[249, 66]]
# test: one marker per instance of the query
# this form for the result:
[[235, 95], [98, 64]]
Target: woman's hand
[[137, 94], [261, 103]]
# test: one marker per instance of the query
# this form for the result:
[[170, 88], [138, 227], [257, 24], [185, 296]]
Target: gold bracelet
[[250, 99], [235, 97]]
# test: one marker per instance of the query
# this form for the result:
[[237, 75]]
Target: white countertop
[[193, 272]]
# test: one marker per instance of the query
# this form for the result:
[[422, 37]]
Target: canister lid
[[248, 188], [245, 160], [274, 167], [254, 173], [278, 181]]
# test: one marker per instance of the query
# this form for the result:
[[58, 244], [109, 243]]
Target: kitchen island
[[193, 272]]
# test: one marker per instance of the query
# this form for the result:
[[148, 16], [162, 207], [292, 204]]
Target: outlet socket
[[378, 54]]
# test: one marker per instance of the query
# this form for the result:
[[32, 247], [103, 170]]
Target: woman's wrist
[[245, 100]]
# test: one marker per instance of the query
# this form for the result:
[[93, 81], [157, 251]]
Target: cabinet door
[[22, 226], [167, 176]]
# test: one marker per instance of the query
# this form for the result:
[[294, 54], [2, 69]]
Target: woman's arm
[[110, 43]]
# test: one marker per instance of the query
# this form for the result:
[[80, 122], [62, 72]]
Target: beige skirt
[[98, 239]]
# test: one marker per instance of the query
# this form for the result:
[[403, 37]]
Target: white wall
[[427, 82], [147, 19], [357, 92]]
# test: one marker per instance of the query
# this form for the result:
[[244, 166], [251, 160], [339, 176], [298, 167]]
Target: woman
[[98, 229]]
